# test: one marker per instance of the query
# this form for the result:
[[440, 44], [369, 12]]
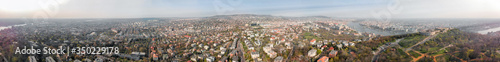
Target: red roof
[[187, 36], [353, 54], [323, 59], [314, 40]]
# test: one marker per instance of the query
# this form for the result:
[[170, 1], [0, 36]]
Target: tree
[[142, 49]]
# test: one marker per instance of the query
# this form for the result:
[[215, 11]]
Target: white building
[[269, 52], [339, 45], [278, 59], [255, 55], [210, 59], [312, 52], [288, 45]]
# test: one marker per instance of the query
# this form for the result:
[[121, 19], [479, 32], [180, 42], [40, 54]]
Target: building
[[49, 59], [193, 58], [165, 56], [325, 42], [281, 41], [269, 52], [155, 57], [288, 45], [272, 38], [32, 59], [251, 48], [339, 46], [323, 59], [333, 42], [138, 53], [87, 60], [313, 41], [255, 54], [351, 44], [333, 53], [278, 59], [210, 59], [133, 57], [77, 61], [428, 32], [258, 43], [99, 60], [235, 59], [442, 29], [312, 52]]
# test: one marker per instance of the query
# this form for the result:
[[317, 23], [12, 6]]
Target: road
[[290, 54], [241, 51], [5, 59], [425, 54], [234, 50], [382, 48], [445, 47], [421, 42]]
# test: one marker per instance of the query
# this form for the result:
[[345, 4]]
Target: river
[[7, 27], [489, 30], [356, 26]]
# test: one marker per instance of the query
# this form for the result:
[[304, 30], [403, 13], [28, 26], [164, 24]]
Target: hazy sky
[[203, 8]]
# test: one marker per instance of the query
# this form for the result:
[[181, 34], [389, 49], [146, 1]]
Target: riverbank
[[358, 27], [489, 30], [7, 27]]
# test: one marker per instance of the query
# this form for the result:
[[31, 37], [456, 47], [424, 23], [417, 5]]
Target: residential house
[[323, 59], [312, 52]]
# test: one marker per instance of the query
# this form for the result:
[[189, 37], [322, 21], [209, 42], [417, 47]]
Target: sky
[[292, 8]]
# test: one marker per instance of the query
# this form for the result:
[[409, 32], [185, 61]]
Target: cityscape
[[247, 38]]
